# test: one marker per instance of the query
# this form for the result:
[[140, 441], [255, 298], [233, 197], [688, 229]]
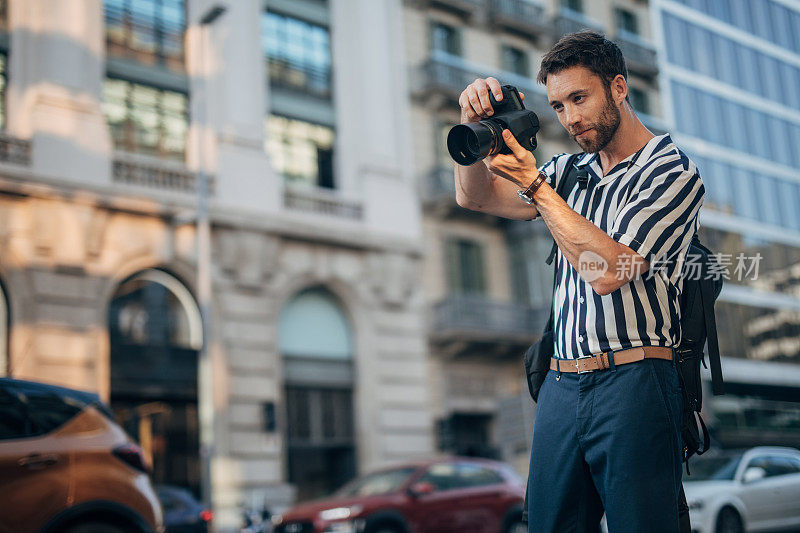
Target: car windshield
[[376, 483], [719, 467]]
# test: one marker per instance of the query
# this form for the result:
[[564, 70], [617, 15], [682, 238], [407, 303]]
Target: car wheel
[[94, 527], [517, 526], [729, 521]]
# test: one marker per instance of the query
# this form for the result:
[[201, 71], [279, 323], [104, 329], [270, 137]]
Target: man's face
[[584, 107]]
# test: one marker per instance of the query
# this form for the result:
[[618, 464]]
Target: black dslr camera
[[469, 143]]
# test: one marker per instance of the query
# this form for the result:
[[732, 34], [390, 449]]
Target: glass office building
[[729, 75]]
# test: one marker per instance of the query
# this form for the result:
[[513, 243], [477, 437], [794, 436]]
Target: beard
[[604, 129]]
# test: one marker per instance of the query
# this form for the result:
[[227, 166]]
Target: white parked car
[[753, 490]]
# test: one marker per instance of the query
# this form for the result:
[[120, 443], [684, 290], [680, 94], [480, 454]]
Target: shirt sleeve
[[659, 219]]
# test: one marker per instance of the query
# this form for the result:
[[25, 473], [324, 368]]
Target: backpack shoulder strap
[[565, 186], [707, 297]]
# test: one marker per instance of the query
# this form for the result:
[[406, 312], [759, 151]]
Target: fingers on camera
[[494, 85], [475, 102], [483, 96], [475, 98]]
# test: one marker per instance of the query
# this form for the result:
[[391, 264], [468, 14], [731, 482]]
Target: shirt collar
[[638, 162]]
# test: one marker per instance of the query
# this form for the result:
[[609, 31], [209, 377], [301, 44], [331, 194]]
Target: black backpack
[[698, 325]]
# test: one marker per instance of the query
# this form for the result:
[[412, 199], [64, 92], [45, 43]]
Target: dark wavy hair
[[588, 49]]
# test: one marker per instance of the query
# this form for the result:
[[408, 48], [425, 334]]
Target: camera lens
[[469, 143]]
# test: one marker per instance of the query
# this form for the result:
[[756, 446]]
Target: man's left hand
[[518, 166]]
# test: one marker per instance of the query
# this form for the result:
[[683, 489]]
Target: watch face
[[524, 197]]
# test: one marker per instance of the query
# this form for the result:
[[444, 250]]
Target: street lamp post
[[205, 374]]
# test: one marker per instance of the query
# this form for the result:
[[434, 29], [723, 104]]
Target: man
[[607, 437]]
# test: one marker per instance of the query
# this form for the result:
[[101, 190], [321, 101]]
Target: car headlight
[[695, 505], [340, 513]]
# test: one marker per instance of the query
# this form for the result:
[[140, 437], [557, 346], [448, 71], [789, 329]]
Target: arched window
[[155, 336], [316, 342], [154, 308], [317, 311]]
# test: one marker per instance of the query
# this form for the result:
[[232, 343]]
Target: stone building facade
[[99, 255]]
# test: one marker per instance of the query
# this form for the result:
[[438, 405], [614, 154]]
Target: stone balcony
[[464, 325], [519, 16], [640, 55], [154, 173], [569, 21], [463, 8], [15, 151], [322, 201], [444, 78]]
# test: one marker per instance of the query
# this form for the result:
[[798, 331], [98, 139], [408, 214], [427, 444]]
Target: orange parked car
[[67, 467]]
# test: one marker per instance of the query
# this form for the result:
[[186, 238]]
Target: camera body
[[469, 143]]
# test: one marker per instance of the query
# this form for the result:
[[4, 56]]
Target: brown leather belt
[[590, 363]]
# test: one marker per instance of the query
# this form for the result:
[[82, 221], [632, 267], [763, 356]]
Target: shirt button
[[580, 339], [580, 299]]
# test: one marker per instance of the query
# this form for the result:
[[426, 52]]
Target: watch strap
[[526, 195]]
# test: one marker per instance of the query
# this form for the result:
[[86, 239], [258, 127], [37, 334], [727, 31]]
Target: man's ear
[[619, 89]]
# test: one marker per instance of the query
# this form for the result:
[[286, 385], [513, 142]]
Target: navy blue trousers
[[607, 441]]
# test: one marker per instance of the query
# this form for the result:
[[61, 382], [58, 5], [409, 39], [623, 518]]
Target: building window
[[145, 119], [639, 100], [148, 31], [626, 21], [465, 265], [516, 61], [301, 151], [315, 339], [573, 5], [445, 39], [155, 332], [298, 54]]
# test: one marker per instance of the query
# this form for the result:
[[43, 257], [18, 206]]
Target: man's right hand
[[474, 100]]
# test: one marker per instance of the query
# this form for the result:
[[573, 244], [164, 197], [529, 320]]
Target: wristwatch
[[526, 195]]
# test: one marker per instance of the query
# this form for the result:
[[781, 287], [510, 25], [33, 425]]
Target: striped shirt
[[648, 202]]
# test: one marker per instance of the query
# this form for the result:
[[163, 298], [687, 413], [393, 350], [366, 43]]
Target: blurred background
[[235, 221]]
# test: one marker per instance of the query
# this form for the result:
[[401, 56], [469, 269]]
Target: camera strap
[[564, 188]]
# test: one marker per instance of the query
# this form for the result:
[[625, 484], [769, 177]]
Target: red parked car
[[446, 495]]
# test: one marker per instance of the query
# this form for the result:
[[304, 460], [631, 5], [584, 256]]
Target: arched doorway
[[155, 335], [316, 343]]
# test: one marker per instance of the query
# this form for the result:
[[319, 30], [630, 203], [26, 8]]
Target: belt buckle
[[578, 368]]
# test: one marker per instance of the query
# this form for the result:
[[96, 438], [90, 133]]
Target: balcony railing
[[13, 150], [640, 56], [438, 76], [519, 16], [131, 169], [463, 324], [446, 77], [464, 8], [322, 201], [569, 21]]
